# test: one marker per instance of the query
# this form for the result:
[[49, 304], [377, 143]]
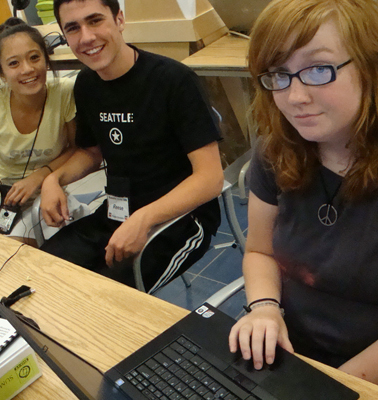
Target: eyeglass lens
[[317, 75]]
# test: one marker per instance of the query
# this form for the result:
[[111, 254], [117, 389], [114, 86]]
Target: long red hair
[[294, 159]]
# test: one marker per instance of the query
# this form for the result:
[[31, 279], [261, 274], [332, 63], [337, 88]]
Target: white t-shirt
[[52, 139], [52, 136]]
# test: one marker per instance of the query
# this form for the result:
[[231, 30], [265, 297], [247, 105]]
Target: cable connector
[[21, 292]]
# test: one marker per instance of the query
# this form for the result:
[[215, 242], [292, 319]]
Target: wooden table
[[63, 58], [101, 320], [226, 56]]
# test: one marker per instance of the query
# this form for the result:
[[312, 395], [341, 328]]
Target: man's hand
[[53, 202], [128, 240], [21, 191]]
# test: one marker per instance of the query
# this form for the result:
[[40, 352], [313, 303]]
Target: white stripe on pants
[[178, 259]]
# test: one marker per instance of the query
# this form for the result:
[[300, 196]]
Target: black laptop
[[189, 361]]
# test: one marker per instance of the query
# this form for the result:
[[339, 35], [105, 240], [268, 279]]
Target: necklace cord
[[327, 213], [35, 137], [329, 197]]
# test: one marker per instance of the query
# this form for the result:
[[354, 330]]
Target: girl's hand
[[21, 191], [264, 326]]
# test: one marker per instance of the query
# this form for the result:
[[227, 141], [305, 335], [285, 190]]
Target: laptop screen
[[82, 378]]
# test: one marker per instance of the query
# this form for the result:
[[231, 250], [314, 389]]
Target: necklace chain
[[327, 213]]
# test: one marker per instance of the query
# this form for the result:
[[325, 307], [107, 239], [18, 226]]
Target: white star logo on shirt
[[116, 136]]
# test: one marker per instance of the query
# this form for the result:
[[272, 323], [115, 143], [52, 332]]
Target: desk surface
[[226, 56], [63, 58], [101, 320]]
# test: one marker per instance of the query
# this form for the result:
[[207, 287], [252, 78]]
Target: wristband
[[249, 309], [51, 171], [264, 302]]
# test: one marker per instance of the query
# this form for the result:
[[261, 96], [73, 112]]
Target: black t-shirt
[[330, 273], [146, 122]]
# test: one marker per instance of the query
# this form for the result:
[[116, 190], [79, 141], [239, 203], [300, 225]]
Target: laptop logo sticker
[[205, 312], [201, 310]]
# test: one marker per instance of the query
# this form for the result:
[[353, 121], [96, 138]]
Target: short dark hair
[[112, 4], [16, 25]]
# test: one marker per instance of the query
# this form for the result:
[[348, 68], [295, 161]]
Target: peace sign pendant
[[327, 214]]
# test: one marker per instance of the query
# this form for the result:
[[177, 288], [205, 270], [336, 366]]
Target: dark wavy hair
[[15, 25], [112, 4], [295, 160]]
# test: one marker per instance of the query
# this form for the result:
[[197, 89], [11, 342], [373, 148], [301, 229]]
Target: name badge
[[118, 208]]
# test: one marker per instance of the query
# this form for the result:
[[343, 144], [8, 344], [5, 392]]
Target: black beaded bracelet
[[267, 299]]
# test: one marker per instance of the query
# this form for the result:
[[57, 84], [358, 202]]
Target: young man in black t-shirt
[[146, 116]]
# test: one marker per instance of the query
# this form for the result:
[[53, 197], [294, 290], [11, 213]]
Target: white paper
[[7, 332]]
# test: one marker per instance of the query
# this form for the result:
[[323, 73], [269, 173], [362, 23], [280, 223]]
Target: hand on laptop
[[262, 327]]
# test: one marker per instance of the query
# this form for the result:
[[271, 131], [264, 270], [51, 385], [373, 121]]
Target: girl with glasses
[[312, 246]]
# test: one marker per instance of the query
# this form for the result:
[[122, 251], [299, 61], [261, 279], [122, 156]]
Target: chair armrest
[[36, 222], [232, 219], [226, 292], [153, 233], [241, 183]]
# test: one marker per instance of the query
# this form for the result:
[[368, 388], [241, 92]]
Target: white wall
[[10, 5], [19, 14]]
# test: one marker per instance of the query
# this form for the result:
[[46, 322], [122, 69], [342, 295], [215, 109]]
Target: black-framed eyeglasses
[[312, 76]]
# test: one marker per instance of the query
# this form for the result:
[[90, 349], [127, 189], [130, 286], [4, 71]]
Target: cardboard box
[[163, 22], [155, 10], [239, 15], [5, 11], [18, 368]]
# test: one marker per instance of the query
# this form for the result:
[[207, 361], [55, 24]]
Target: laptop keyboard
[[179, 372]]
